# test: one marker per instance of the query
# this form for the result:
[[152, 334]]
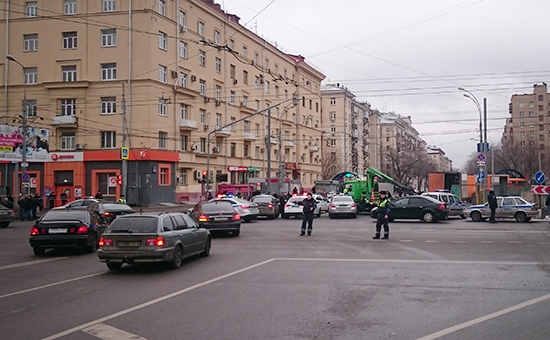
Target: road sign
[[540, 177], [112, 182], [257, 180], [33, 182], [540, 189], [124, 153], [481, 157], [25, 177], [481, 174]]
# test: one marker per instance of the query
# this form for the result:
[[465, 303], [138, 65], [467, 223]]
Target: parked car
[[247, 210], [110, 211], [455, 205], [136, 238], [6, 216], [424, 208], [217, 215], [294, 209], [268, 205], [66, 228], [342, 205], [507, 207], [81, 203], [322, 202]]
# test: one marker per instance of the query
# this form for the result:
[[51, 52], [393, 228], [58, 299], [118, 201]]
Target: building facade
[[180, 83], [440, 162]]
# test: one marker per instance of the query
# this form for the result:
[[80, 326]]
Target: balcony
[[273, 140], [313, 148], [188, 125], [288, 144], [225, 132], [249, 137], [65, 120]]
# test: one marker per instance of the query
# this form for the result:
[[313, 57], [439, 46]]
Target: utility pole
[[281, 174], [124, 137], [268, 150]]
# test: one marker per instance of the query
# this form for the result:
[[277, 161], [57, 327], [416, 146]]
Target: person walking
[[382, 217], [64, 197], [22, 202], [492, 200], [309, 205]]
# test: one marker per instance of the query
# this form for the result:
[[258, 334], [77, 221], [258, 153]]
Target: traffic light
[[204, 173], [348, 175], [119, 179]]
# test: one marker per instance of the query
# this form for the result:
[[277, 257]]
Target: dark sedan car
[[169, 237], [422, 208], [217, 215], [66, 228], [110, 211], [6, 216], [267, 205]]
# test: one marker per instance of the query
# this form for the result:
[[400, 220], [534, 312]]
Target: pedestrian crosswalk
[[106, 332]]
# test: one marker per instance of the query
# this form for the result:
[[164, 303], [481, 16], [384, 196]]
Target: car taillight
[[353, 205], [287, 205], [236, 217], [159, 241], [245, 206], [106, 213], [82, 230], [270, 205], [34, 231], [442, 207], [203, 218], [333, 205], [105, 242]]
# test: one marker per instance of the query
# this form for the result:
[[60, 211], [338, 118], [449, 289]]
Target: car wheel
[[428, 217], [286, 217], [247, 219], [475, 216], [114, 265], [178, 256], [4, 224], [38, 251], [462, 216], [521, 216], [92, 247], [207, 247], [319, 214], [354, 216], [236, 232]]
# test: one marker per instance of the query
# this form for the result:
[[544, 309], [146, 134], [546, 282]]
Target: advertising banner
[[11, 143]]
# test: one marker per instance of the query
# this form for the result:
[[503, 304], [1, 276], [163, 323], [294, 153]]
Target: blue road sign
[[481, 174], [481, 157], [25, 177], [124, 153], [540, 177]]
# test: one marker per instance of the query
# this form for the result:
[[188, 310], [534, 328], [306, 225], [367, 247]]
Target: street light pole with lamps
[[24, 123]]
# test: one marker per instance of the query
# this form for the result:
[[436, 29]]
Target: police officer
[[382, 217], [121, 199], [309, 205], [492, 200]]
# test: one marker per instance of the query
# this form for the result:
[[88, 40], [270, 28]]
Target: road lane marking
[[313, 259], [514, 242], [484, 318], [486, 242], [107, 332], [406, 241], [154, 301], [431, 241], [544, 242], [50, 285], [30, 263]]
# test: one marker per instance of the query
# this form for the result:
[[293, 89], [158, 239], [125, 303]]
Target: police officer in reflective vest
[[122, 199], [382, 217]]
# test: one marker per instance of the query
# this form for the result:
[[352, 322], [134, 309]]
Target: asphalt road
[[450, 280]]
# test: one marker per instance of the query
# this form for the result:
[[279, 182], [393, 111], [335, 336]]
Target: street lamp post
[[24, 123]]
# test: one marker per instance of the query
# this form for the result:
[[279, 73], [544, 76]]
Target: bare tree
[[409, 162], [524, 158], [329, 165], [471, 166]]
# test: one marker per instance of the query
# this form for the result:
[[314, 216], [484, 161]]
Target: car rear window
[[296, 199], [261, 199], [217, 207], [116, 207], [134, 224], [54, 215], [342, 199]]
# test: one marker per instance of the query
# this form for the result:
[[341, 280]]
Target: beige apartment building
[[185, 80], [438, 159]]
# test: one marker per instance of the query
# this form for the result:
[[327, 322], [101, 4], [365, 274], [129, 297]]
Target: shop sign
[[67, 157], [253, 169], [243, 168], [292, 166], [11, 143]]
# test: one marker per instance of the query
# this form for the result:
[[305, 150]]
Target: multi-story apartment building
[[438, 159], [184, 76], [375, 147]]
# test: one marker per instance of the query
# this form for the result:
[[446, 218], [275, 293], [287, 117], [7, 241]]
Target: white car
[[322, 202], [293, 207], [247, 210], [342, 205]]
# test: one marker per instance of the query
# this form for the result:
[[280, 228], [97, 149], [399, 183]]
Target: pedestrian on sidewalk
[[382, 217], [309, 205], [492, 200]]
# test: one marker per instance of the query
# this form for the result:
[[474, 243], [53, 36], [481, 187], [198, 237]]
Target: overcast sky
[[410, 56]]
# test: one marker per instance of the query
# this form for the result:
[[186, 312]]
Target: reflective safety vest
[[122, 200]]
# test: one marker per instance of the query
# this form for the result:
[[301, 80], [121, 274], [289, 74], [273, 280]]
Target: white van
[[455, 205]]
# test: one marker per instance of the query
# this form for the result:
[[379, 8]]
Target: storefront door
[[60, 200]]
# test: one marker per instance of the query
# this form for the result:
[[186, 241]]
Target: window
[[202, 116], [541, 137], [257, 152], [182, 19], [245, 101], [108, 139], [232, 149], [68, 107], [531, 133], [531, 104], [522, 114], [266, 87], [31, 75], [522, 134], [257, 106], [245, 77], [277, 91], [332, 101], [217, 38], [162, 40], [184, 110], [231, 44], [246, 147], [31, 108], [70, 7], [218, 119], [333, 128], [257, 82], [245, 52], [541, 98], [245, 126], [31, 9], [68, 140], [162, 73], [183, 79], [218, 65], [184, 142], [531, 123], [541, 127], [202, 87], [541, 118], [333, 115], [162, 7], [232, 96], [30, 42], [202, 145], [521, 105], [531, 114], [163, 107], [108, 37], [109, 5], [183, 49], [202, 58], [108, 105], [232, 71], [69, 40], [256, 58], [183, 176], [200, 28], [257, 130], [316, 107], [108, 71], [521, 123], [522, 143], [163, 140], [332, 142], [164, 175], [541, 107]]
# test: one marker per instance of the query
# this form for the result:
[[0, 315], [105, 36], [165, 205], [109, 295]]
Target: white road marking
[[30, 263], [484, 318], [514, 242], [408, 261], [154, 301], [406, 241], [544, 242], [107, 332], [49, 285], [485, 242], [430, 241]]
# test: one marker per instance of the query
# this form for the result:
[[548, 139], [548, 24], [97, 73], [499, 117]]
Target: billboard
[[11, 143]]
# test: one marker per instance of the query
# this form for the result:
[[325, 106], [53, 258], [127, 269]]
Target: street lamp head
[[461, 89], [466, 95], [10, 58]]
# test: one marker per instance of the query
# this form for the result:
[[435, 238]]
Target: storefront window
[[104, 184]]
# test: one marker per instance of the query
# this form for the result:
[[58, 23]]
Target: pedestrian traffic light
[[119, 179]]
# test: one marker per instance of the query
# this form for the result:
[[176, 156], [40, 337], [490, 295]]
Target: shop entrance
[[59, 199]]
